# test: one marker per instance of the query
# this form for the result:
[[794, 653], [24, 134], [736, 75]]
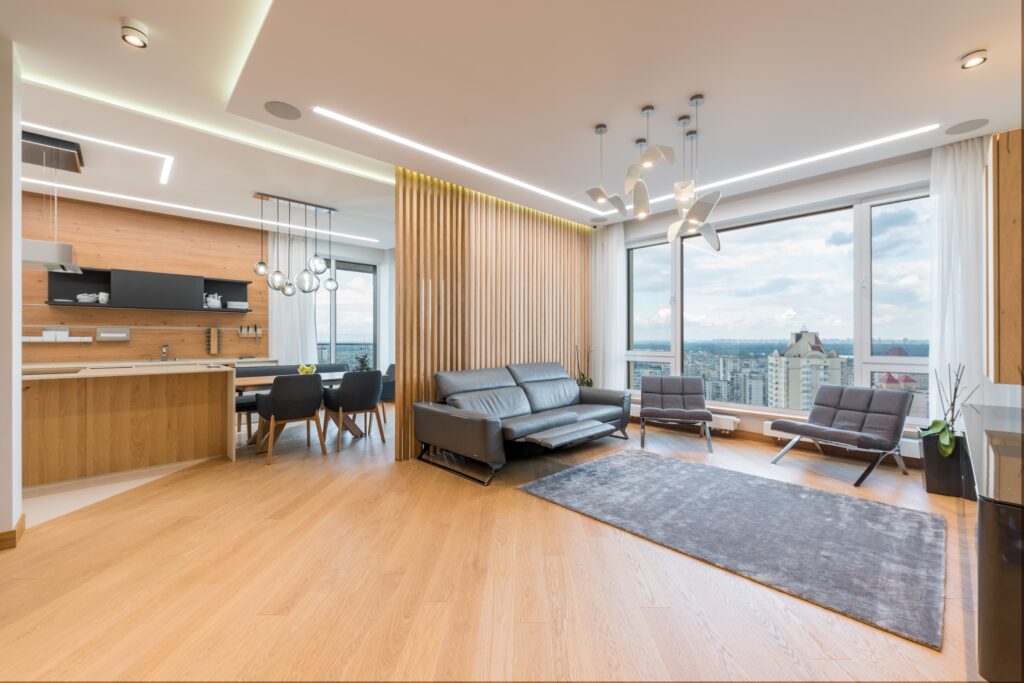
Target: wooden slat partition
[[481, 282], [1007, 254]]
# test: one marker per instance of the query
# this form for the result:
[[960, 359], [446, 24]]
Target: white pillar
[[10, 286]]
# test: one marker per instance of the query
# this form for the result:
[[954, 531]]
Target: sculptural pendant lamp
[[306, 281], [277, 278], [330, 284], [261, 268]]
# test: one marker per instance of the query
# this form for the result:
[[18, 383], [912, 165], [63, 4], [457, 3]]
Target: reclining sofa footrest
[[568, 435]]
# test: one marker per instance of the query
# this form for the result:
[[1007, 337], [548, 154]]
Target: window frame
[[864, 363], [354, 266], [674, 354]]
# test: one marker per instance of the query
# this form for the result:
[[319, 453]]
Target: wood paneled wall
[[113, 237], [1007, 252], [481, 282]]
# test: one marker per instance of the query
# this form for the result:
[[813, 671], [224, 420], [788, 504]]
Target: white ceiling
[[172, 98], [516, 87]]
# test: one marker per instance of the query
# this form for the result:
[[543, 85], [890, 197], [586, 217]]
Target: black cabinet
[[139, 289], [145, 290]]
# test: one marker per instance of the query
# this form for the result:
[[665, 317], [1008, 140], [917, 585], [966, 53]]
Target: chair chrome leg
[[643, 432], [785, 450], [899, 461], [818, 446], [706, 428]]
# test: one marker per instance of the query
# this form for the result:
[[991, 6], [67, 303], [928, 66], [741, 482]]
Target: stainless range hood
[[57, 257], [51, 153]]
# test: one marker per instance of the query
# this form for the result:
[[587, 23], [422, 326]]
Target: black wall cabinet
[[141, 289]]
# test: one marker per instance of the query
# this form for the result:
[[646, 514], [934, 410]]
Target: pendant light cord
[[305, 234], [261, 227], [696, 143], [330, 243], [289, 241]]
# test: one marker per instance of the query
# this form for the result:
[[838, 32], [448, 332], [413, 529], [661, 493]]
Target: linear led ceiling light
[[379, 132], [807, 160], [165, 169], [195, 209]]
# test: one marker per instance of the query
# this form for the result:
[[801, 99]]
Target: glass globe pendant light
[[288, 289], [330, 284], [261, 268], [277, 279], [317, 263], [306, 281]]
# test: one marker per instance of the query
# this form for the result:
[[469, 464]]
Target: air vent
[[43, 150]]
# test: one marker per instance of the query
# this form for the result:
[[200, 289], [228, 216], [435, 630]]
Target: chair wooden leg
[[320, 433], [273, 433], [261, 433], [308, 442], [384, 411], [248, 425], [380, 425], [238, 426]]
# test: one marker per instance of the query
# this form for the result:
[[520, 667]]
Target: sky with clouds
[[355, 309], [772, 279]]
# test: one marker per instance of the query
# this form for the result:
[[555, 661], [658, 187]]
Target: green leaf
[[934, 428]]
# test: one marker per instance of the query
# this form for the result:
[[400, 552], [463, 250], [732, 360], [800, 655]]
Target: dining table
[[257, 382]]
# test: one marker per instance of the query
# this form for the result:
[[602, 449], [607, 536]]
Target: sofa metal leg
[[643, 431], [483, 482], [706, 428], [818, 446], [870, 468], [785, 450]]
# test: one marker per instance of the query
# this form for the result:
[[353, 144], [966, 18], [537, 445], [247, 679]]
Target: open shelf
[[141, 290]]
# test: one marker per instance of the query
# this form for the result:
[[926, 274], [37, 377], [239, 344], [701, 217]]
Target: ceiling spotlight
[[134, 32], [973, 59]]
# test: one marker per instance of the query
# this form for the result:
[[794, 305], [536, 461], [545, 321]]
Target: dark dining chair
[[292, 398], [359, 393], [245, 404], [387, 394]]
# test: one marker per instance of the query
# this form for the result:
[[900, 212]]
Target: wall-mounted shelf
[[69, 340], [141, 290]]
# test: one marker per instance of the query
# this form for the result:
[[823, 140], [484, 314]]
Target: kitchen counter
[[83, 420], [34, 368]]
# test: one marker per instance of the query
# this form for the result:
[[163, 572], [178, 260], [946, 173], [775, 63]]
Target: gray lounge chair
[[674, 400], [854, 418]]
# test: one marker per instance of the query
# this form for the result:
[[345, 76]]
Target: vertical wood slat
[[480, 282]]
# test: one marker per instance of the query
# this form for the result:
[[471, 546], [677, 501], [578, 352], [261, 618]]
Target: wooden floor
[[358, 567]]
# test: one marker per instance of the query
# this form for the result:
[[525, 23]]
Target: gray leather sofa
[[491, 413]]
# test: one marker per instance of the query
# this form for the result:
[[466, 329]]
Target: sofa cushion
[[552, 393], [517, 427], [842, 436], [676, 414], [460, 381], [536, 372], [501, 402], [672, 392], [595, 411]]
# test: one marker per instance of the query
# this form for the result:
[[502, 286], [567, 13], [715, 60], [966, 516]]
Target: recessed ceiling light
[[165, 168], [282, 110], [973, 59], [966, 126], [195, 209], [420, 147], [134, 32]]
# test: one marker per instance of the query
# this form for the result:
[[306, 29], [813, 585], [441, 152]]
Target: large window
[[770, 317], [346, 319], [834, 297], [900, 271], [651, 314]]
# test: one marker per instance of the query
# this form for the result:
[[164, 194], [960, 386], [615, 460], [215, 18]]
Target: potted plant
[[582, 379], [363, 360], [947, 466]]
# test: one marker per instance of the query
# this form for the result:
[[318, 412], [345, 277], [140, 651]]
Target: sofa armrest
[[466, 432], [610, 397]]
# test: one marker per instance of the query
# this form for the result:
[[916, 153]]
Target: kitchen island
[[82, 421]]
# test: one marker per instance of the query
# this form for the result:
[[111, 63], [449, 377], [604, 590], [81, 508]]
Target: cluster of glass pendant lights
[[306, 280]]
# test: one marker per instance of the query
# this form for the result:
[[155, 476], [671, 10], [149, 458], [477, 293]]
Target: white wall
[[10, 286]]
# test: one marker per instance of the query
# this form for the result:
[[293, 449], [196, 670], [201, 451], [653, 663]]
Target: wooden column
[[481, 282]]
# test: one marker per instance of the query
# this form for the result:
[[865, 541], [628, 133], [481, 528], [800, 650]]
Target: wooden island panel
[[83, 425]]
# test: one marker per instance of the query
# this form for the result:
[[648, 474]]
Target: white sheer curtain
[[608, 308], [292, 324], [958, 263]]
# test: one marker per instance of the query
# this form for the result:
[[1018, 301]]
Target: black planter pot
[[952, 476]]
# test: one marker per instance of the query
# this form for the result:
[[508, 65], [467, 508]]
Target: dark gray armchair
[[853, 418], [292, 398], [359, 393], [674, 400]]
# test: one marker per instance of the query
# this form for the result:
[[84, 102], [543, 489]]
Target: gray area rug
[[880, 564]]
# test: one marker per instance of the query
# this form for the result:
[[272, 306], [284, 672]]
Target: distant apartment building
[[795, 374]]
